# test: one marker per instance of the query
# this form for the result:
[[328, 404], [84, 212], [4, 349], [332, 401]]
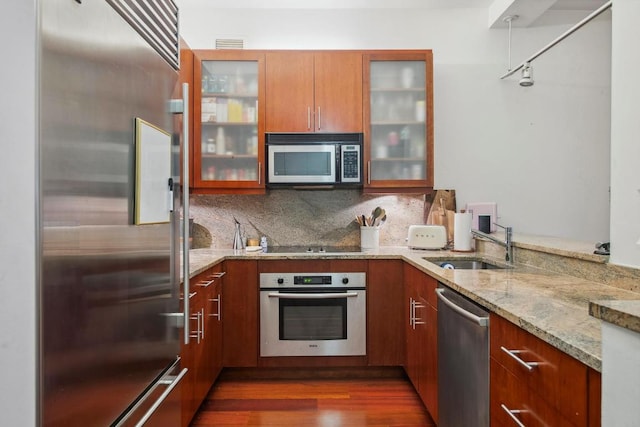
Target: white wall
[[625, 135], [542, 153], [620, 376], [17, 204]]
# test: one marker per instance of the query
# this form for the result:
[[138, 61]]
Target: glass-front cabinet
[[398, 106], [228, 121]]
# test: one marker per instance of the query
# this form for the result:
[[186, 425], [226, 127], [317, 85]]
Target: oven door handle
[[312, 296]]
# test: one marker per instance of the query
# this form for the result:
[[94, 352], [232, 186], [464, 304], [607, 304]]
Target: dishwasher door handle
[[482, 321]]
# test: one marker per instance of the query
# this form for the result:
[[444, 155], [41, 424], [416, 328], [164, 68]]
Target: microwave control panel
[[350, 163]]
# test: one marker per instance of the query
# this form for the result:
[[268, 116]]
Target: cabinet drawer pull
[[205, 283], [512, 414], [214, 276], [513, 354]]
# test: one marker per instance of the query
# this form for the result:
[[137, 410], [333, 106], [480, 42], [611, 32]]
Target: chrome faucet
[[507, 243]]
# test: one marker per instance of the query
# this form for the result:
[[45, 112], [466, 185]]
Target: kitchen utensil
[[238, 241]]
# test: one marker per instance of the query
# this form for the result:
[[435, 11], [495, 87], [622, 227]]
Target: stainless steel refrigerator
[[110, 310]]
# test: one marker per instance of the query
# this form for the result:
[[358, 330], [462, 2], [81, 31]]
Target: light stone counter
[[625, 314], [550, 305]]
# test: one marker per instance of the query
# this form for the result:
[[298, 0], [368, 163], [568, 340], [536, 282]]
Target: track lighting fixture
[[527, 75]]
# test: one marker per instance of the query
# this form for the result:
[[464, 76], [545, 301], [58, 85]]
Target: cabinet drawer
[[554, 376], [509, 393]]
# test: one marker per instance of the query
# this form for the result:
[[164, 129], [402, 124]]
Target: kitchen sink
[[466, 264]]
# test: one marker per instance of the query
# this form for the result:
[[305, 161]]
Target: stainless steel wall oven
[[312, 314]]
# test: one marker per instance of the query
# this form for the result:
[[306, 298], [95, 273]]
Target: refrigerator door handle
[[182, 106]]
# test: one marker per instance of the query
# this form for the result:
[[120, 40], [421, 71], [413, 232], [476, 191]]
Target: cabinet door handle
[[413, 318], [369, 172], [513, 354], [202, 321], [218, 314], [512, 414], [259, 173], [412, 313], [309, 118], [319, 121], [196, 333]]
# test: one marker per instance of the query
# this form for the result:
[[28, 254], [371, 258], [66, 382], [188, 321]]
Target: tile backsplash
[[290, 217]]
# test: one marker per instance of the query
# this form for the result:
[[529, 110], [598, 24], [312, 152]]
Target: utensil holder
[[369, 238]]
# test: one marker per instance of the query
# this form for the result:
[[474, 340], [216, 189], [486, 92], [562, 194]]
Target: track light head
[[527, 75]]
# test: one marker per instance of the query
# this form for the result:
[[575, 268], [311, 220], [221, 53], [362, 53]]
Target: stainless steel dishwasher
[[463, 361]]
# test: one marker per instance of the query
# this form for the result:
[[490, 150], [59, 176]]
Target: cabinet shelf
[[229, 95], [419, 90], [229, 156], [398, 159], [398, 123], [229, 123]]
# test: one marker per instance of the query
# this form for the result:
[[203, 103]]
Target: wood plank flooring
[[313, 400]]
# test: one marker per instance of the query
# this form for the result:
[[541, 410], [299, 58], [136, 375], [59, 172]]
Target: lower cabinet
[[202, 356], [421, 335], [385, 296], [240, 314], [535, 384]]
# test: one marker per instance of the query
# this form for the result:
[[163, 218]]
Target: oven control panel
[[300, 280]]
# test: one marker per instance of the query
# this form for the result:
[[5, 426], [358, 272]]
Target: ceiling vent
[[229, 44]]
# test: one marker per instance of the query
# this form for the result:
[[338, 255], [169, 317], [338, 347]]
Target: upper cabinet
[[310, 91], [228, 121], [239, 95], [398, 116]]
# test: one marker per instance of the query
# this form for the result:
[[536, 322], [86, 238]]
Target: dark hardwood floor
[[301, 398]]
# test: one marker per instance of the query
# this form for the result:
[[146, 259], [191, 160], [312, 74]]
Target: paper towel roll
[[462, 231]]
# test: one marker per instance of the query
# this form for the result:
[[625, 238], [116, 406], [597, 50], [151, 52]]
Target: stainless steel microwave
[[314, 160]]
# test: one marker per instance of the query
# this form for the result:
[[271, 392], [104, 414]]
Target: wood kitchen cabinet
[[385, 296], [228, 122], [200, 356], [398, 121], [314, 91], [537, 383], [421, 335], [240, 314]]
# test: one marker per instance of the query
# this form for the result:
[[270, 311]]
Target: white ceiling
[[530, 12]]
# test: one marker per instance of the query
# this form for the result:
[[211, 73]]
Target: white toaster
[[427, 237]]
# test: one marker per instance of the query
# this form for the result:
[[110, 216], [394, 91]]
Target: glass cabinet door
[[399, 137], [227, 152]]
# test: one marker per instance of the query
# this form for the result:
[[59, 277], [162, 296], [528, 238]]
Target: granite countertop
[[552, 306], [625, 314]]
